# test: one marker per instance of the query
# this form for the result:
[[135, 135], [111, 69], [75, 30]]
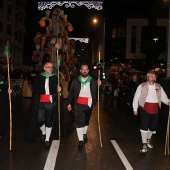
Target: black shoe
[[80, 145], [47, 145], [42, 138], [85, 138]]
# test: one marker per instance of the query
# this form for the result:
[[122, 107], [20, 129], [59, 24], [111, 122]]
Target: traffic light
[[94, 67]]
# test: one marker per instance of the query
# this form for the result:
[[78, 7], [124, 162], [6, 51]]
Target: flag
[[100, 64], [7, 50], [58, 62]]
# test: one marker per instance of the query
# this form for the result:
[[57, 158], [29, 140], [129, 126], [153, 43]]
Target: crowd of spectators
[[122, 85], [17, 77]]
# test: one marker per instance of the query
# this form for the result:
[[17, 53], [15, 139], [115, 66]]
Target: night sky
[[114, 13]]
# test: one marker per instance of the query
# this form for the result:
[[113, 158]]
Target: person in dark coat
[[43, 110], [32, 76], [131, 89], [84, 93], [4, 105]]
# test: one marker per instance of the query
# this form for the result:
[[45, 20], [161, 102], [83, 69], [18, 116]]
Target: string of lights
[[71, 4], [82, 40]]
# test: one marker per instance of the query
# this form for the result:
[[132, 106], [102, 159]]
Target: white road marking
[[121, 155], [52, 155]]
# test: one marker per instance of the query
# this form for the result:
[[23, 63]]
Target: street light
[[94, 20], [155, 39]]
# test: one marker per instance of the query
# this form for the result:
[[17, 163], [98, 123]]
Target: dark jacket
[[39, 88], [75, 90], [131, 89]]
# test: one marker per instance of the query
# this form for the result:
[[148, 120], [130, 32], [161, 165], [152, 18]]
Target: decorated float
[[54, 45]]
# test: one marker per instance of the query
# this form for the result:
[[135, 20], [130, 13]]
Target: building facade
[[140, 42], [136, 32], [12, 29]]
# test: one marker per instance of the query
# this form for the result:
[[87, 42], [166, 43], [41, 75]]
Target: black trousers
[[148, 121], [82, 115], [46, 114]]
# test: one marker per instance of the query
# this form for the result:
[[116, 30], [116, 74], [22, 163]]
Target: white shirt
[[85, 92], [47, 91], [151, 97]]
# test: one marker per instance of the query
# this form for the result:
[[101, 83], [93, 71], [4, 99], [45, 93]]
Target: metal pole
[[168, 58]]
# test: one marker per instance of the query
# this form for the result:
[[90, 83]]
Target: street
[[117, 127]]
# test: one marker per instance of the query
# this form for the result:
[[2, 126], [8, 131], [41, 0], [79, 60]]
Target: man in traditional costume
[[149, 96], [84, 92], [43, 110]]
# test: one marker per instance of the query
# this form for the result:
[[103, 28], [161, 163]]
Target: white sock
[[48, 133], [42, 128], [144, 136], [149, 134], [80, 133], [85, 129]]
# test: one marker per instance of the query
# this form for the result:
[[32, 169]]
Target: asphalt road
[[121, 142]]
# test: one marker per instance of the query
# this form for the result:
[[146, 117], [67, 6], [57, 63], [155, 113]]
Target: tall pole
[[167, 136], [10, 106], [58, 46], [58, 75], [104, 30], [100, 136], [168, 58], [7, 54]]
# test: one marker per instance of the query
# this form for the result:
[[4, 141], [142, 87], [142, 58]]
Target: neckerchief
[[1, 82], [47, 76], [84, 82]]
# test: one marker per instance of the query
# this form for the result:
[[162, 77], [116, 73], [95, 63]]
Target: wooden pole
[[167, 136], [10, 106], [99, 107], [58, 74]]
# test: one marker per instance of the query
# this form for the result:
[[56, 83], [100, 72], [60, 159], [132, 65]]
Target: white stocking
[[149, 134], [85, 129], [144, 136], [80, 133], [48, 133], [42, 128]]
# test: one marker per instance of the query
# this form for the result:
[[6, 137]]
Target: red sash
[[45, 98], [151, 108], [82, 100]]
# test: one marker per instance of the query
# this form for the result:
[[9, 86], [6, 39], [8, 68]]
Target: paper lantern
[[35, 58], [65, 49], [73, 61], [72, 51], [42, 23], [41, 53], [70, 28], [37, 47]]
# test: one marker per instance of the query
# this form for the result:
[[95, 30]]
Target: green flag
[[100, 64], [7, 50], [58, 62]]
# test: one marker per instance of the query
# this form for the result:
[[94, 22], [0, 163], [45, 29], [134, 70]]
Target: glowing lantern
[[42, 23]]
